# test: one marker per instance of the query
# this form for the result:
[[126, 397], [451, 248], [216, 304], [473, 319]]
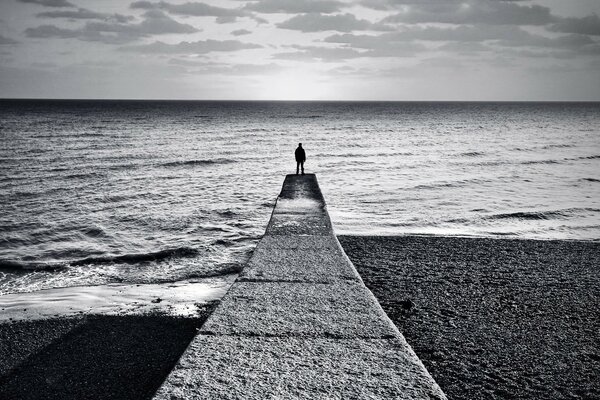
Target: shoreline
[[465, 236], [490, 318], [173, 298]]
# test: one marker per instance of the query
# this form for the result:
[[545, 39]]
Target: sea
[[98, 192]]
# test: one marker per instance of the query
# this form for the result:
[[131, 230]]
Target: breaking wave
[[133, 258], [192, 163], [541, 215]]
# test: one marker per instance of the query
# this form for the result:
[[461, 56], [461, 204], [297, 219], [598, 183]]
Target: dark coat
[[300, 155]]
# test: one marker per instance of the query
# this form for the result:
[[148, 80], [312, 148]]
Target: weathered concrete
[[299, 322], [240, 367], [298, 264], [297, 310]]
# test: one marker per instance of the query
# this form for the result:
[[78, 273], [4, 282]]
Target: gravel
[[492, 318]]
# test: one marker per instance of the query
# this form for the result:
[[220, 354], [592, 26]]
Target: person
[[300, 158]]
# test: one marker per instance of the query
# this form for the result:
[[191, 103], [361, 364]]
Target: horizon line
[[293, 101]]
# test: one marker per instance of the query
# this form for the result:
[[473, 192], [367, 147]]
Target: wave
[[94, 232], [227, 213], [225, 269], [557, 146], [191, 163], [19, 266], [540, 162], [461, 183], [179, 252], [472, 154], [297, 116], [490, 163], [533, 215], [528, 162], [594, 157], [82, 175], [360, 155], [223, 242], [542, 215]]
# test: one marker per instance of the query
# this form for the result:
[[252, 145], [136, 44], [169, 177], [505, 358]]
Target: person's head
[[299, 144]]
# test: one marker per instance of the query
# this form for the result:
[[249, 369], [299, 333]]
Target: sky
[[410, 50]]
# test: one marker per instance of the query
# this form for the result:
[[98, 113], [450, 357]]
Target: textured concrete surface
[[307, 309], [297, 224], [234, 367], [297, 265], [299, 322]]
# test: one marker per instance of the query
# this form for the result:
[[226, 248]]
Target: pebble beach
[[489, 318], [492, 318]]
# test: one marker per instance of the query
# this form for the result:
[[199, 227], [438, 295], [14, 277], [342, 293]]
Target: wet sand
[[92, 357], [492, 318]]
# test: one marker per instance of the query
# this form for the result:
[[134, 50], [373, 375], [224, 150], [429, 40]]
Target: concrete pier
[[299, 323]]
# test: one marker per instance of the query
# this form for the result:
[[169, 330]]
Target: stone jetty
[[299, 323]]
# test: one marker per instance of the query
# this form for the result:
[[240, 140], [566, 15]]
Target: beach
[[492, 318], [489, 318]]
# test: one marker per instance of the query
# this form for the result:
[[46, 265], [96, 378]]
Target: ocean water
[[105, 192]]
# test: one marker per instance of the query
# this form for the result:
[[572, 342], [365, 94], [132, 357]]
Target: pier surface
[[299, 323]]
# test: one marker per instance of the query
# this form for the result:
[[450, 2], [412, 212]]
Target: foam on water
[[178, 299], [126, 192]]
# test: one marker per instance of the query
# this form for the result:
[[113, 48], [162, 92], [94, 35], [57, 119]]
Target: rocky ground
[[492, 318]]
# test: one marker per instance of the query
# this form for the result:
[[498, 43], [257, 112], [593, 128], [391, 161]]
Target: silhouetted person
[[300, 158]]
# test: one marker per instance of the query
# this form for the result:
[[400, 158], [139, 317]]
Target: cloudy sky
[[301, 49]]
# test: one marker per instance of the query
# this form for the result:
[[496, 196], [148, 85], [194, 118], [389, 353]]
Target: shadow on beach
[[94, 357]]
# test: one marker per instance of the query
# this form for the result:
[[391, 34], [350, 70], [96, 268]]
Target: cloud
[[396, 49], [153, 23], [337, 54], [199, 47], [240, 69], [51, 31], [194, 9], [318, 23], [472, 12], [82, 13], [465, 47], [49, 3], [478, 33], [188, 63], [434, 34], [240, 32], [295, 6], [316, 53], [474, 38], [4, 40], [567, 42], [589, 25], [156, 22], [252, 69]]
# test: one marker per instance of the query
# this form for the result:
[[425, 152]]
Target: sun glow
[[294, 85]]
